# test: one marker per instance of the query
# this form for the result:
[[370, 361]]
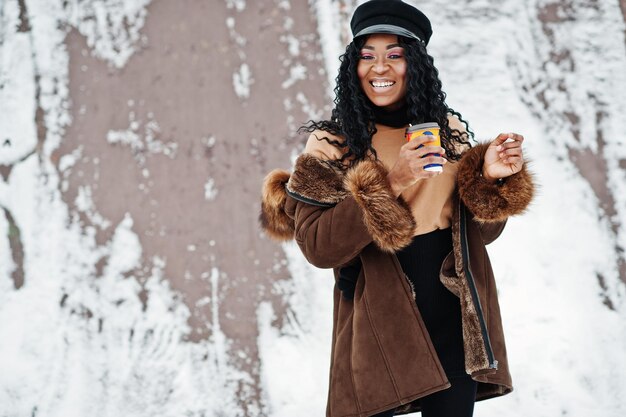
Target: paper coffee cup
[[428, 129]]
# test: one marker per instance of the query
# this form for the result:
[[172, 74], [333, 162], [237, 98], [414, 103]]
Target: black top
[[440, 309], [393, 118]]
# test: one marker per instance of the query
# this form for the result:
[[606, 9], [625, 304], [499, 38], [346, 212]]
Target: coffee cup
[[427, 129]]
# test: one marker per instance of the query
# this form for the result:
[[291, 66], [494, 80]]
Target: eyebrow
[[390, 46]]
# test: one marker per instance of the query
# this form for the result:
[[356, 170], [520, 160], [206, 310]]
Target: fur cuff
[[322, 183], [273, 218], [492, 202], [388, 220], [317, 181]]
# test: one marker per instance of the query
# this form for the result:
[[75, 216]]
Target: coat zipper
[[493, 363]]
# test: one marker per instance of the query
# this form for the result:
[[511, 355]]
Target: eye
[[395, 56], [366, 56]]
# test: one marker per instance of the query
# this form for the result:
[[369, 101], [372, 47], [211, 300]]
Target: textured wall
[[134, 136], [160, 120]]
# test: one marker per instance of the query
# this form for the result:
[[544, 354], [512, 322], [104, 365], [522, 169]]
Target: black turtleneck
[[393, 118]]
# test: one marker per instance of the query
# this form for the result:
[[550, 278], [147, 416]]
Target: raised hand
[[503, 158]]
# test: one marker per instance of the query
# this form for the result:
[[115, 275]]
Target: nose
[[380, 66]]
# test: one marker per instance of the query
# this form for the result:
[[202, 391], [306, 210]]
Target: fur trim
[[316, 179], [454, 279], [387, 218], [273, 218], [473, 346], [492, 202]]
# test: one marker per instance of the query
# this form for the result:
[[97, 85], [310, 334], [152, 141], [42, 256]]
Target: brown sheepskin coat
[[382, 355]]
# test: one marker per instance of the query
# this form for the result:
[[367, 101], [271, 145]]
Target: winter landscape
[[134, 137]]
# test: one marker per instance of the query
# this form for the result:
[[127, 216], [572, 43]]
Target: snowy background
[[134, 136]]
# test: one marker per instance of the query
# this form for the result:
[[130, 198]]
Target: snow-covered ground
[[567, 348], [76, 338]]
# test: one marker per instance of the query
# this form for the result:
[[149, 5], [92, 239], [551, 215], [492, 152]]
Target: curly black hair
[[352, 117]]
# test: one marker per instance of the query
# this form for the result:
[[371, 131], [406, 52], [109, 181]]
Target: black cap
[[390, 16]]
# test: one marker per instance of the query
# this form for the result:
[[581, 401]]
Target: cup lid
[[423, 126]]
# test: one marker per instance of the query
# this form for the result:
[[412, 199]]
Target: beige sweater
[[430, 199]]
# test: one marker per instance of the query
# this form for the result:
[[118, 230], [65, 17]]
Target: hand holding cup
[[414, 157]]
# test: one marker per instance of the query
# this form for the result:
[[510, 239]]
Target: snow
[[127, 137], [563, 341], [104, 352], [7, 266], [329, 23], [308, 108], [17, 93], [142, 144], [296, 72], [236, 37], [84, 203], [292, 42], [112, 28], [210, 192], [67, 161], [302, 344], [238, 5], [96, 328], [77, 339], [242, 80]]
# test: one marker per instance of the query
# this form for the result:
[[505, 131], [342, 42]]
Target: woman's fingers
[[501, 138], [425, 150], [413, 157], [426, 155], [511, 145], [428, 160], [501, 141], [514, 160], [504, 156], [417, 164], [511, 152], [517, 138]]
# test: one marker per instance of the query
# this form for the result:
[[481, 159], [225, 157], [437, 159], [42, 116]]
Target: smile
[[382, 84]]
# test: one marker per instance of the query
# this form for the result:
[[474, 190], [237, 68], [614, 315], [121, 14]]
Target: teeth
[[382, 83]]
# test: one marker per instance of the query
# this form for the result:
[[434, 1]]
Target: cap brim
[[391, 29]]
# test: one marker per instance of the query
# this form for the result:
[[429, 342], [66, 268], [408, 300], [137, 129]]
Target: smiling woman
[[382, 71], [417, 323]]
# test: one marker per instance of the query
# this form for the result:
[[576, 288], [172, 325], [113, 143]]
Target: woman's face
[[382, 71]]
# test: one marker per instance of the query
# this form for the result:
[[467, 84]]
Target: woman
[[416, 317]]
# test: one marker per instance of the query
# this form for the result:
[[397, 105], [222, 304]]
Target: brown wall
[[182, 79], [176, 97]]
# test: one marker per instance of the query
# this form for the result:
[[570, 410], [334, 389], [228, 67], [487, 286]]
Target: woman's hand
[[502, 158], [409, 168]]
